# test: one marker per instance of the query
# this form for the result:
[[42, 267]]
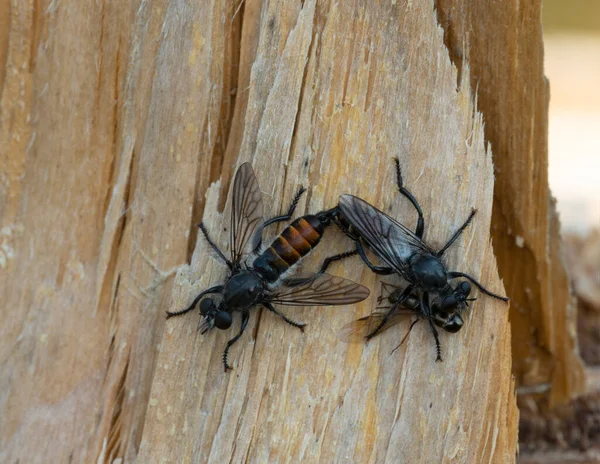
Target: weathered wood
[[116, 118], [347, 88], [502, 43]]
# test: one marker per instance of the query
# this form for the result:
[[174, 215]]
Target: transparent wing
[[390, 240], [358, 330], [246, 213], [319, 290], [386, 291]]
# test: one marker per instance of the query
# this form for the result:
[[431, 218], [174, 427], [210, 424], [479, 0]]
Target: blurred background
[[572, 65], [571, 433]]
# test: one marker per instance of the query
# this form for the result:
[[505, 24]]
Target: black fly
[[259, 282], [407, 255]]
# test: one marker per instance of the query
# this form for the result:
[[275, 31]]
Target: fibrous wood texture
[[505, 55], [116, 118]]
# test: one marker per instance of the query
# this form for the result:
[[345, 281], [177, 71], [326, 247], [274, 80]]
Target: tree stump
[[122, 124]]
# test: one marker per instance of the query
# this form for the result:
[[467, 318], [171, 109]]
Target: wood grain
[[331, 105], [502, 43], [122, 124]]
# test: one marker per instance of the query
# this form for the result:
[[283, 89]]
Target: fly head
[[214, 316], [457, 300]]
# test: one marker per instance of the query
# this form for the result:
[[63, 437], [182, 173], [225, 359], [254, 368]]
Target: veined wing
[[358, 330], [390, 240], [387, 291], [246, 213], [319, 290]]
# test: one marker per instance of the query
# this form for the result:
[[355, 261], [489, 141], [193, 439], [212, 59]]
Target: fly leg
[[283, 217], [457, 233], [426, 309], [272, 308], [438, 348], [245, 319], [381, 270], [334, 258], [406, 336], [215, 289], [214, 247], [287, 216], [454, 275], [406, 292], [294, 282], [420, 221]]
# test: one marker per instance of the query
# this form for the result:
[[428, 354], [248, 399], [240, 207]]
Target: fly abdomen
[[295, 242]]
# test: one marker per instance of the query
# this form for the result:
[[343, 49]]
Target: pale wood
[[115, 120], [339, 100]]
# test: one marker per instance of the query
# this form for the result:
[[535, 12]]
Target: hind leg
[[273, 309]]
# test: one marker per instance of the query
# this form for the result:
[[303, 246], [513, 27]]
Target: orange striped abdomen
[[295, 242]]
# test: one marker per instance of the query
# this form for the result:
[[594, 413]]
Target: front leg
[[426, 310], [213, 246], [245, 319], [273, 309], [454, 275], [215, 289], [438, 348]]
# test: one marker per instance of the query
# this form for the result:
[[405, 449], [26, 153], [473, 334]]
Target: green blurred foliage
[[571, 15]]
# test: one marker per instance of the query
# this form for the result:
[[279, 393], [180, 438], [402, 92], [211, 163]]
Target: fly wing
[[390, 240], [387, 290], [319, 290], [358, 330], [246, 213]]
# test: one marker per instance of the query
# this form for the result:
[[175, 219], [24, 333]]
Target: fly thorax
[[242, 291], [429, 272]]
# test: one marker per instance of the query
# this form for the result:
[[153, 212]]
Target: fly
[[407, 255], [259, 282]]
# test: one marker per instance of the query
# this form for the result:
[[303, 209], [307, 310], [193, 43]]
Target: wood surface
[[502, 42], [121, 126]]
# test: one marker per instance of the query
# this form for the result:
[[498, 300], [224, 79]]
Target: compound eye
[[223, 320], [449, 304], [206, 305], [464, 288]]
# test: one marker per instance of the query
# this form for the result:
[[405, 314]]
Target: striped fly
[[257, 278]]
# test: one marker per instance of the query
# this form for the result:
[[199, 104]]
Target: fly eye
[[464, 288], [223, 320], [206, 305], [449, 304]]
